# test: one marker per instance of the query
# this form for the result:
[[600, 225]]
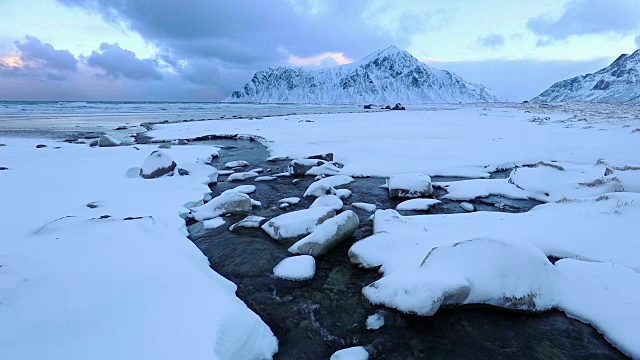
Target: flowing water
[[314, 318]]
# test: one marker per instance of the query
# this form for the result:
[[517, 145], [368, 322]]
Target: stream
[[312, 319]]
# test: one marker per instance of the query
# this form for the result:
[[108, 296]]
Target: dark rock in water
[[301, 166], [325, 157], [388, 107], [40, 146], [94, 143], [368, 107], [238, 169], [398, 106], [4, 168], [156, 165], [121, 128], [183, 172]]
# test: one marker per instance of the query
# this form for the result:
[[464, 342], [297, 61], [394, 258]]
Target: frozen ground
[[579, 159], [96, 265]]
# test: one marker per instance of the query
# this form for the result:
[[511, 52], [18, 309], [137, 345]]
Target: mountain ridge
[[385, 76], [617, 83]]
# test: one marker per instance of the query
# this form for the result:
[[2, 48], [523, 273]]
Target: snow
[[476, 188], [290, 200], [213, 223], [409, 185], [265, 178], [352, 353], [301, 267], [322, 186], [237, 163], [345, 193], [242, 176], [364, 206], [331, 201], [417, 204], [114, 288], [296, 224], [375, 321]]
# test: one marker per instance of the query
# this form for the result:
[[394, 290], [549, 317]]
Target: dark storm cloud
[[519, 80], [583, 17], [491, 41], [117, 62], [40, 61], [244, 31]]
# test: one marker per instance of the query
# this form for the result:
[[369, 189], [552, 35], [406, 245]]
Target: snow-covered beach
[[96, 263]]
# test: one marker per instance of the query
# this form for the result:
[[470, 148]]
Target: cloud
[[38, 60], [117, 62], [582, 17], [526, 78], [491, 41], [638, 42]]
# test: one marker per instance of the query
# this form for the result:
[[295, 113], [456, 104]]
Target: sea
[[58, 119]]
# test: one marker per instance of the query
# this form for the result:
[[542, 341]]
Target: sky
[[202, 50]]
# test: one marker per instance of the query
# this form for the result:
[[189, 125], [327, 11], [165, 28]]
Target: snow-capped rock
[[617, 83], [297, 224], [411, 185], [327, 235], [385, 76], [301, 267], [156, 165]]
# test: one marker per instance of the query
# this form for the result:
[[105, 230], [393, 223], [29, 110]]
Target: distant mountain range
[[386, 76], [617, 83]]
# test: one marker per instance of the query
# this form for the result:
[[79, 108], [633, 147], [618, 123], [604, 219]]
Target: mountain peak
[[391, 50]]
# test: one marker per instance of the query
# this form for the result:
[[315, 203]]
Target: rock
[[302, 267], [265, 178], [327, 235], [329, 168], [179, 142], [250, 222], [301, 166], [297, 224], [3, 168], [257, 170], [108, 141], [325, 157], [226, 203], [93, 143], [182, 172], [1, 145], [121, 128], [409, 185], [388, 107], [282, 174], [343, 193], [225, 172], [375, 321], [417, 204], [326, 186], [156, 165], [40, 146], [238, 163], [242, 176], [290, 200], [352, 353], [331, 201], [364, 206], [245, 189], [368, 106], [164, 146], [467, 206], [214, 223], [398, 106]]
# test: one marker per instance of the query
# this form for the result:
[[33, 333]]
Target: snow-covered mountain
[[617, 83], [386, 76]]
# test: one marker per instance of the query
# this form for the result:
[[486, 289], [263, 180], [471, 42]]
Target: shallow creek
[[314, 318]]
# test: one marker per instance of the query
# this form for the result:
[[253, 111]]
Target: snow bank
[[472, 189], [114, 288], [417, 204]]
